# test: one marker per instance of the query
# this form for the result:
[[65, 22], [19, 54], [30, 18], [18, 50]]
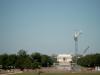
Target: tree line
[[22, 60], [91, 60]]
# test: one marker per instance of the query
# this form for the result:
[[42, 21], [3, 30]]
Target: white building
[[64, 61]]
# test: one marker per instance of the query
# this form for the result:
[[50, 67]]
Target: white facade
[[64, 61]]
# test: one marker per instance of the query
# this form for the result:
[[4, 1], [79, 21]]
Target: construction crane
[[85, 50], [76, 36]]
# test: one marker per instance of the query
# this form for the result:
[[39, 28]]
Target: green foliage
[[4, 61], [24, 61], [12, 59], [46, 61], [90, 60], [36, 57], [22, 53], [35, 65]]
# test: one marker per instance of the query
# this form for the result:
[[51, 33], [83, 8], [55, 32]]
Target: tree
[[36, 60], [35, 65], [21, 59], [24, 61], [0, 59], [36, 57], [12, 61], [22, 53], [27, 62], [90, 60], [4, 61], [46, 61]]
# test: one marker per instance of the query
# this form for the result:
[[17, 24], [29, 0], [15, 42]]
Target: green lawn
[[31, 73]]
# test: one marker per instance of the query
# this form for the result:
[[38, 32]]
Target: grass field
[[31, 73]]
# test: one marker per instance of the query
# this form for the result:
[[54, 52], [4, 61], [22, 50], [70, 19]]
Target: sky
[[48, 26]]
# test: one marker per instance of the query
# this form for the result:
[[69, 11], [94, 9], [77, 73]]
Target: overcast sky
[[48, 26]]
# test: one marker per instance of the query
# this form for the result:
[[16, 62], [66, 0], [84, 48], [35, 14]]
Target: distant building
[[64, 61]]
